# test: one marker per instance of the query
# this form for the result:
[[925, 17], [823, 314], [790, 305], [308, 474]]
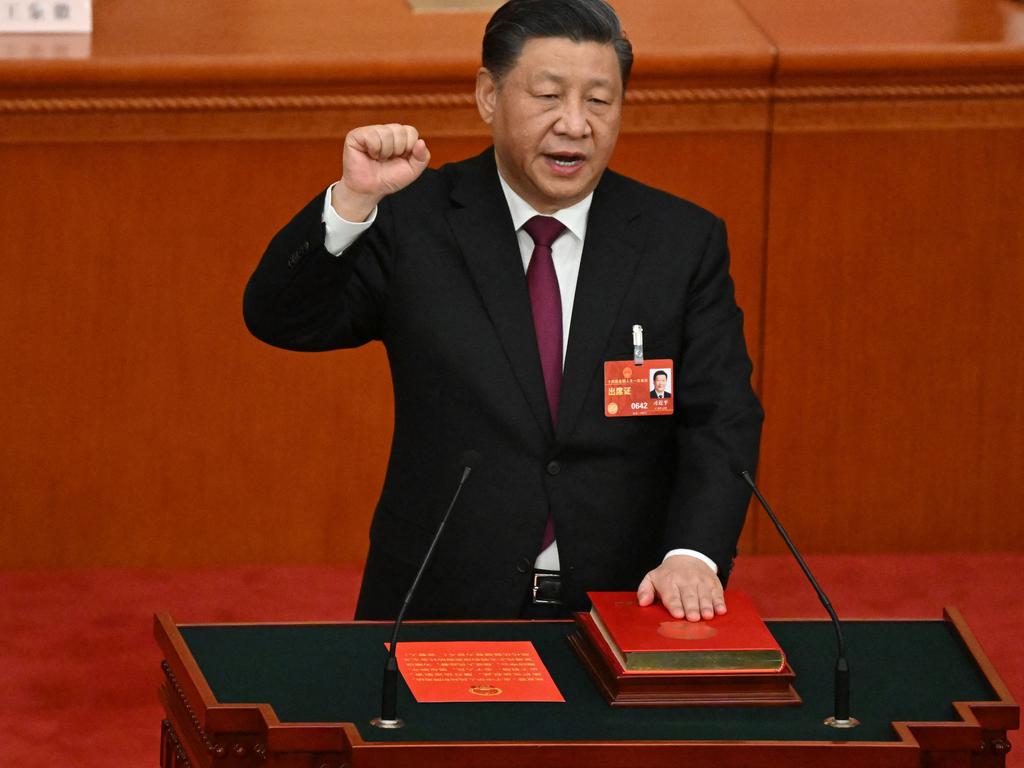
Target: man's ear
[[486, 94]]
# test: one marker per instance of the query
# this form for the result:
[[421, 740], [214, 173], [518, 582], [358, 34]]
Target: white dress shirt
[[566, 253]]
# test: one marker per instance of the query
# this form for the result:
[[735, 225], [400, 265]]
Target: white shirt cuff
[[693, 553], [341, 233]]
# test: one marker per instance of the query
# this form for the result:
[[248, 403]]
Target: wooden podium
[[293, 695]]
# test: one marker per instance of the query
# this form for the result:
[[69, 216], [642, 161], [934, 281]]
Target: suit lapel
[[483, 229], [611, 253]]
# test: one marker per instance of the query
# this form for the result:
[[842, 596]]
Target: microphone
[[841, 718], [389, 687]]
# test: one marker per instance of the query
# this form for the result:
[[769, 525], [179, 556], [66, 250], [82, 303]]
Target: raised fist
[[378, 160]]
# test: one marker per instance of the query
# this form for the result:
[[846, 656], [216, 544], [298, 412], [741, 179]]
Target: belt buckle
[[554, 576]]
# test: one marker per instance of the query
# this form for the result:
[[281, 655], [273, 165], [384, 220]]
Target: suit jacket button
[[523, 565], [554, 467]]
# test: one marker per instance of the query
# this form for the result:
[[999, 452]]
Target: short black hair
[[517, 21], [659, 373]]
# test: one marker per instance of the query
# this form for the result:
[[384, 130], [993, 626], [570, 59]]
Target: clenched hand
[[378, 160]]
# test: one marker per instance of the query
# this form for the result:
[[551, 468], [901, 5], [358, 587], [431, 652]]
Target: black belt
[[547, 587]]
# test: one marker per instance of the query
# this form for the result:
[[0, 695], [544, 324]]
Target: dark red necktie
[[546, 302]]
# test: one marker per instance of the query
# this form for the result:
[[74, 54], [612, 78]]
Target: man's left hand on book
[[686, 586]]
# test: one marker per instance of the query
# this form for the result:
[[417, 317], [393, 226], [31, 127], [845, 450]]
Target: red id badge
[[638, 390]]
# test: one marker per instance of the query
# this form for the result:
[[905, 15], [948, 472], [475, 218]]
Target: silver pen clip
[[638, 345]]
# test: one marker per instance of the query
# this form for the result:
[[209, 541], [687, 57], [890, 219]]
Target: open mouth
[[566, 159]]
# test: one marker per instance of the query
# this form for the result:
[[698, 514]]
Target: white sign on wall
[[47, 16]]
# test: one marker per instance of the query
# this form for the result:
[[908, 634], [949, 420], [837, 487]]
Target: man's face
[[554, 118], [659, 383]]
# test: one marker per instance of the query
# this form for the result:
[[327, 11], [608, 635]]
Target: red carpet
[[79, 668]]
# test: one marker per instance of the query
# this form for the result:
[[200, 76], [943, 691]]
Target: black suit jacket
[[439, 279]]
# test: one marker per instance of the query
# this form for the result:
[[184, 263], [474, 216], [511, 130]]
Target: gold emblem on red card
[[638, 390], [485, 690]]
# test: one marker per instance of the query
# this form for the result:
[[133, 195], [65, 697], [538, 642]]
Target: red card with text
[[475, 671], [638, 390]]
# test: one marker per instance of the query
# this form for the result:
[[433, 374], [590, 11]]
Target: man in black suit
[[500, 286], [660, 381]]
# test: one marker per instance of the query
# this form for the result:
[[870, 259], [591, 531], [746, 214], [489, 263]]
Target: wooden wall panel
[[893, 340], [894, 274], [143, 424]]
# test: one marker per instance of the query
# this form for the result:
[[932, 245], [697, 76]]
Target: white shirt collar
[[574, 217]]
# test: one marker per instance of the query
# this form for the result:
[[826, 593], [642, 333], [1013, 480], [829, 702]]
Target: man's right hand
[[377, 161]]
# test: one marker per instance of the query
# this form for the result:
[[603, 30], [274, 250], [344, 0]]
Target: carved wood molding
[[652, 110], [691, 95], [233, 103], [897, 91], [218, 103], [271, 102]]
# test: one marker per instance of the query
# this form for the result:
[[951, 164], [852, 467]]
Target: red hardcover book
[[650, 640]]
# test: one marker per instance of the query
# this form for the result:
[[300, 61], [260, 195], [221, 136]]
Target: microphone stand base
[[831, 722], [389, 724]]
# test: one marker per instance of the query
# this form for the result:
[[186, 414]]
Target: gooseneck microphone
[[841, 718], [389, 688]]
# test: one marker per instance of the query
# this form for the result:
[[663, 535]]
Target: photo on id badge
[[661, 386]]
